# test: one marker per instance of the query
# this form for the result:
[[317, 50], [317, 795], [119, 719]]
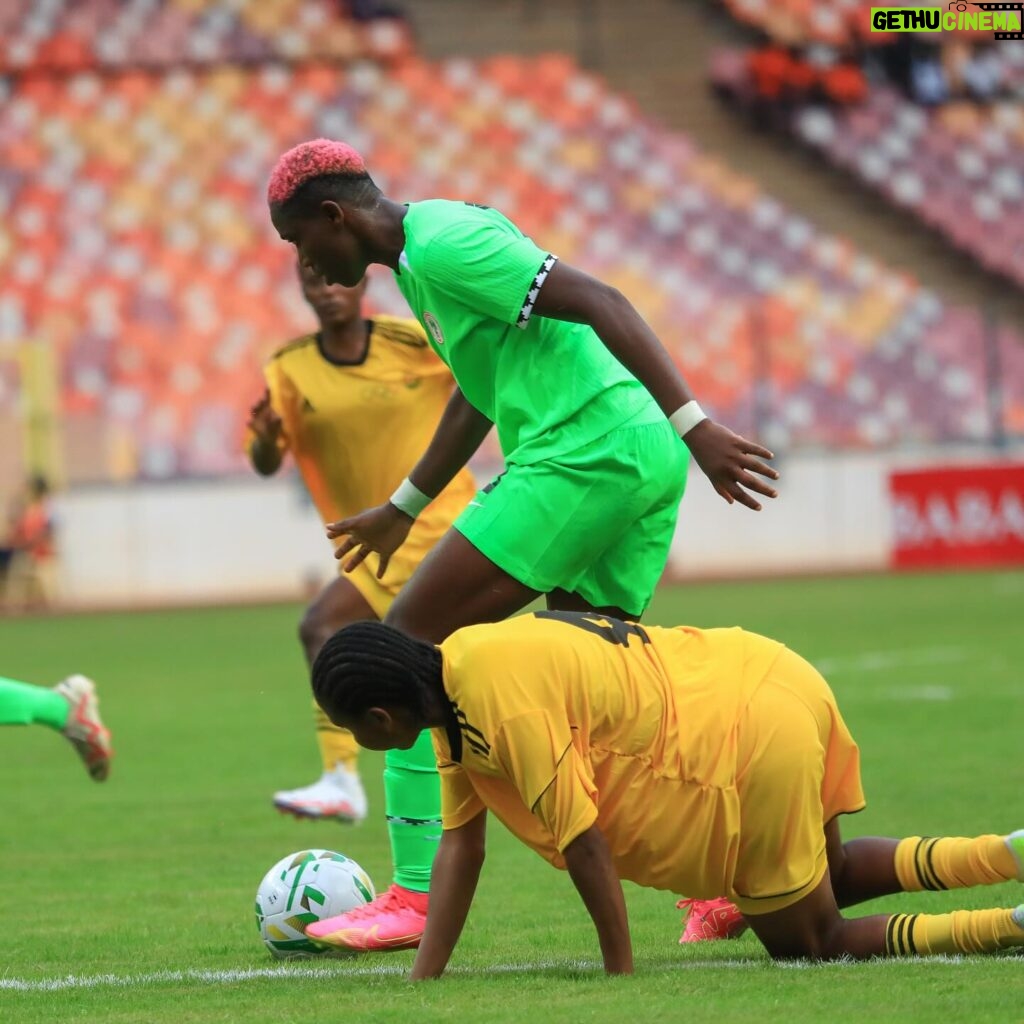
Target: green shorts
[[597, 522]]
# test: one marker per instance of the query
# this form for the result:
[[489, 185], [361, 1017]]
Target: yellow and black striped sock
[[337, 745], [950, 863], [963, 931]]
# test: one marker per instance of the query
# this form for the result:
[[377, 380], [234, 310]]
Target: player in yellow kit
[[355, 403], [711, 762]]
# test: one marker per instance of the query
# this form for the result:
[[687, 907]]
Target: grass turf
[[139, 892]]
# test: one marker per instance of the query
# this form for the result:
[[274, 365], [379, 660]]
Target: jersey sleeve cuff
[[585, 820], [526, 310]]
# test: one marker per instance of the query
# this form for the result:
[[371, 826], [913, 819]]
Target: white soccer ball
[[302, 888]]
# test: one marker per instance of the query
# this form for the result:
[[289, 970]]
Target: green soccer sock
[[412, 802], [25, 704]]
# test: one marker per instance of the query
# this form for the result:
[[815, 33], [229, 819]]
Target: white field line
[[340, 971], [876, 661]]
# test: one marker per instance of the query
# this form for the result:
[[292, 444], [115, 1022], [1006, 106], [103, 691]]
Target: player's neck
[[388, 235], [437, 709], [345, 342]]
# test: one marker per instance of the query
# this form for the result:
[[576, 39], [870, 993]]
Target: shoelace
[[687, 905], [387, 901]]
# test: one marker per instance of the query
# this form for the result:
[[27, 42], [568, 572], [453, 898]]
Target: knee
[[824, 943], [314, 631]]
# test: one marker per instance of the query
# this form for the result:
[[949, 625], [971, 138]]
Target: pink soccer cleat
[[707, 920], [394, 920], [85, 729]]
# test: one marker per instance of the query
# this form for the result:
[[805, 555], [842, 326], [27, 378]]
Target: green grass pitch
[[134, 899]]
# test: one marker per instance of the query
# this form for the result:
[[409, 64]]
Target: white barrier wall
[[256, 539], [832, 514], [192, 541]]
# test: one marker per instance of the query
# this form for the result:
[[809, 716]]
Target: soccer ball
[[302, 888]]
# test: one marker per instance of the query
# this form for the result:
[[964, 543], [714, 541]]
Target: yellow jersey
[[356, 429], [562, 720]]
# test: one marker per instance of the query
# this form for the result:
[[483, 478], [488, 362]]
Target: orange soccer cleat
[[707, 920]]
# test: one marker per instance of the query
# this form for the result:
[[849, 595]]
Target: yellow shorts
[[800, 768], [378, 594]]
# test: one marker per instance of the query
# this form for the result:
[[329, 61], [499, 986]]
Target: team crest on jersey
[[434, 327]]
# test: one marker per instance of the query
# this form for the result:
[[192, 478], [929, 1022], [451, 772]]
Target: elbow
[[474, 855], [463, 848], [609, 309], [612, 299]]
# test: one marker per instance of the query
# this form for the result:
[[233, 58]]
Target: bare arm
[[569, 294], [729, 461], [453, 881], [593, 873], [461, 430]]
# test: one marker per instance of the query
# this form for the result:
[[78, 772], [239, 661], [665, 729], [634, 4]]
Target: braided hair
[[368, 665]]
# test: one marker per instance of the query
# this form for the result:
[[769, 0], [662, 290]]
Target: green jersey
[[550, 387]]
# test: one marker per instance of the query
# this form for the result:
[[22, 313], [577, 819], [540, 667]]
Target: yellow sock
[[963, 931], [953, 863], [337, 745]]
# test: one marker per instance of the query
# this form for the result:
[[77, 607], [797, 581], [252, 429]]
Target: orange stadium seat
[[794, 22], [136, 237], [959, 169]]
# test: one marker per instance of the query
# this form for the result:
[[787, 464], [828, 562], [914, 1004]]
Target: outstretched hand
[[730, 462], [382, 529]]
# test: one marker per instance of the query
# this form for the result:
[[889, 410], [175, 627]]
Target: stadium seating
[[837, 23], [58, 36], [797, 22], [957, 168], [135, 239]]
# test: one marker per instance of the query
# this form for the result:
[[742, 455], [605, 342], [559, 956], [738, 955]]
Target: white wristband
[[410, 499], [686, 417]]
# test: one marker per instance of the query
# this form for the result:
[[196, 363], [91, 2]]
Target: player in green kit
[[70, 708], [588, 405]]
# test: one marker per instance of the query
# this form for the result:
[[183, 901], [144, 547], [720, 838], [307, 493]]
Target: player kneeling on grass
[[595, 422], [708, 762]]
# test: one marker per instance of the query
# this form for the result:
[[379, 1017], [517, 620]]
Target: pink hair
[[309, 160]]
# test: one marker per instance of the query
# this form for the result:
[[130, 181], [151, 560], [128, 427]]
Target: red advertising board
[[958, 516]]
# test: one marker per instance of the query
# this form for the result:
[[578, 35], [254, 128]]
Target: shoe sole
[[303, 814], [410, 942], [714, 938]]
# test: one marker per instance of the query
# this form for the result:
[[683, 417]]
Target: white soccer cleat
[[85, 729], [336, 794]]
